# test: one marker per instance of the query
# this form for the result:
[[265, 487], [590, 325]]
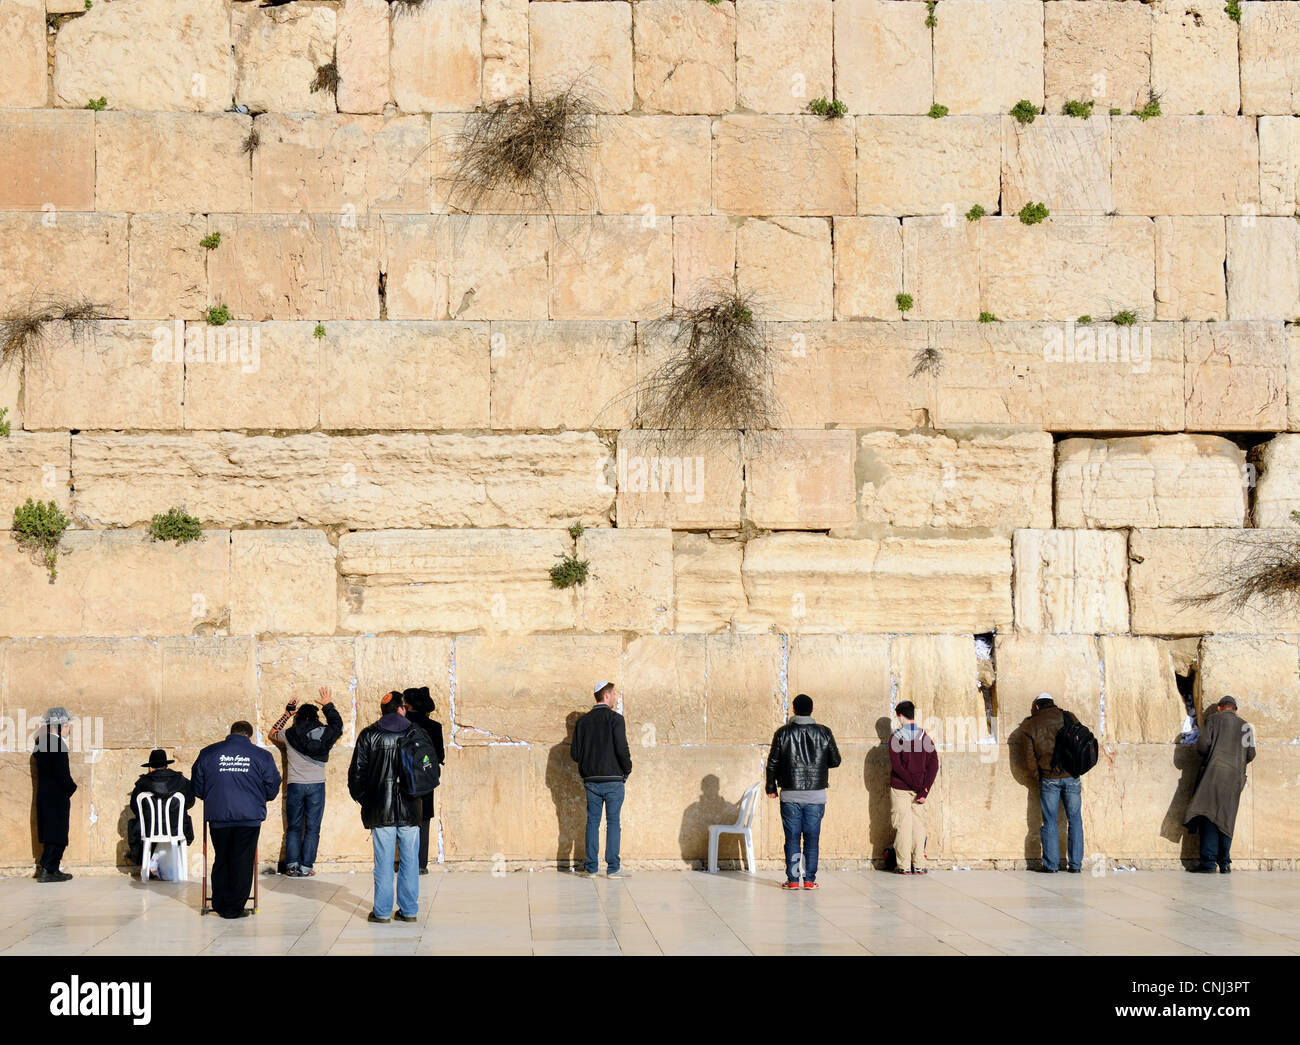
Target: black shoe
[[406, 917], [54, 876], [1074, 870], [1225, 869], [424, 870], [372, 917], [1044, 870], [1201, 869]]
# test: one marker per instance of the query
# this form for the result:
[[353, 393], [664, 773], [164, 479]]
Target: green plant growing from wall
[[4, 424], [25, 333], [218, 316], [1150, 110], [1125, 318], [930, 20], [904, 302], [175, 525], [211, 241], [831, 110], [1033, 213], [988, 317], [319, 331], [38, 528], [405, 6], [1116, 112], [576, 530], [937, 111], [97, 104], [1024, 111], [1084, 320], [326, 79], [975, 213], [1079, 110], [1233, 10], [569, 571]]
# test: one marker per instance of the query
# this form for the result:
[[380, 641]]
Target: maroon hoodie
[[913, 761]]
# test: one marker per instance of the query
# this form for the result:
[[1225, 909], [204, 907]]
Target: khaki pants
[[908, 819]]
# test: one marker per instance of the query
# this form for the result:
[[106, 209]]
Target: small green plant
[[1033, 213], [175, 525], [930, 20], [1024, 111], [1084, 320], [1126, 318], [1150, 110], [1295, 516], [569, 571], [831, 109], [1079, 110], [1233, 10], [4, 425], [89, 4], [97, 104], [975, 213], [218, 316], [211, 241], [38, 529], [937, 111], [904, 302], [576, 530], [319, 331], [1116, 112], [327, 79], [988, 317]]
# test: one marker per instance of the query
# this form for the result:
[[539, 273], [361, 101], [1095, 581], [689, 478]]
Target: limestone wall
[[383, 502]]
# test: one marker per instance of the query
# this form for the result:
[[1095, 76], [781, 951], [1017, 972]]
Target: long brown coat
[[1227, 745]]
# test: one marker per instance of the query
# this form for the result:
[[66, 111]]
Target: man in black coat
[[54, 790], [419, 709], [600, 749], [161, 783], [799, 763]]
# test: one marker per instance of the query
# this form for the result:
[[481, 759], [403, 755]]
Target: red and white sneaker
[[811, 885], [790, 885]]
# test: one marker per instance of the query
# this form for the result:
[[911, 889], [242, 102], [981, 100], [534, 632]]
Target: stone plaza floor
[[677, 912]]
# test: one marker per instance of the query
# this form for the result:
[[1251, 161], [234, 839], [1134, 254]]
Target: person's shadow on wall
[[569, 798], [875, 774], [711, 808], [1188, 763], [1019, 756], [37, 848]]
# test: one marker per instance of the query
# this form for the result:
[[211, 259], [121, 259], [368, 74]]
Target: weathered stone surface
[[148, 54], [1194, 58], [505, 49], [911, 166], [362, 55], [745, 699], [633, 152], [1263, 673], [11, 394], [1269, 804], [704, 257], [868, 267], [388, 662], [932, 484], [436, 57], [941, 268], [158, 162], [985, 809], [665, 686], [1100, 51], [770, 165], [882, 57], [254, 376], [277, 53], [589, 43], [451, 581], [282, 582], [1235, 376], [630, 586], [1264, 268], [1207, 165], [363, 482], [1070, 581], [47, 160], [849, 679], [489, 801], [1276, 493], [1065, 667], [684, 482], [167, 267], [34, 465], [1270, 68], [1174, 572], [207, 683], [610, 267], [1279, 164], [1150, 481], [800, 480], [988, 54], [404, 375], [295, 669], [1136, 805], [812, 583], [23, 54], [939, 674], [18, 844], [706, 576], [1190, 254], [75, 257], [787, 263], [684, 56], [1061, 161], [117, 583], [105, 377], [1143, 705], [521, 688], [783, 54]]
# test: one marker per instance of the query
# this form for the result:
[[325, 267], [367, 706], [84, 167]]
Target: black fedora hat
[[157, 759]]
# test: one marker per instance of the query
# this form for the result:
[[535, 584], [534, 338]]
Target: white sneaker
[[622, 872]]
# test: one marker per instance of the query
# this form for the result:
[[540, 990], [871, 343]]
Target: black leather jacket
[[802, 756], [374, 777]]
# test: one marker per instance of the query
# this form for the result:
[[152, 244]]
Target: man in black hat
[[419, 709], [161, 783], [1227, 745], [54, 790]]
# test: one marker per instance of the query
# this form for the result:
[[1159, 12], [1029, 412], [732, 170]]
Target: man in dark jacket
[[54, 790], [799, 763], [161, 783], [419, 709], [1055, 785], [235, 779], [391, 816], [600, 748], [913, 767], [307, 745], [1227, 746]]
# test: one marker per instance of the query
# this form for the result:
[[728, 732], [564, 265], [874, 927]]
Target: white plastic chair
[[742, 826], [160, 820]]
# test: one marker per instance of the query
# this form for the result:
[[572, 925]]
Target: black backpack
[[418, 762], [1076, 748]]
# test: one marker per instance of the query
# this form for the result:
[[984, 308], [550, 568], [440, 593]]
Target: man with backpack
[[1059, 750], [393, 767]]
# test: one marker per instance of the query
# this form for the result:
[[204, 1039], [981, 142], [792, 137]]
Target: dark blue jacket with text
[[235, 779]]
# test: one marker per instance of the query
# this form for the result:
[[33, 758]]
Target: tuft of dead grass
[[1263, 568], [25, 333]]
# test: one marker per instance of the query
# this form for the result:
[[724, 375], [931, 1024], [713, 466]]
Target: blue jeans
[[1050, 794], [802, 821], [407, 842], [1216, 847], [303, 802], [609, 794]]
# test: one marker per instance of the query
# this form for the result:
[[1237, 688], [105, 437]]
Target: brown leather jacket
[[1040, 730]]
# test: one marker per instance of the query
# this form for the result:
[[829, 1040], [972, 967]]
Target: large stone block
[[1235, 376], [1134, 804], [910, 166], [787, 264], [1262, 672], [1270, 804], [249, 376], [1150, 481], [665, 691], [361, 52], [47, 160], [849, 679], [74, 257], [491, 797], [277, 53], [882, 57], [388, 662], [704, 257], [589, 44], [745, 692], [282, 582], [783, 54], [868, 267], [1100, 51], [610, 267], [1263, 268], [1070, 581], [1194, 58], [1205, 165], [168, 268], [684, 56], [774, 165], [1279, 165], [452, 581], [1270, 68], [1065, 667], [987, 810], [363, 482], [915, 483], [800, 480], [634, 152], [1276, 492], [1190, 257], [295, 669], [148, 54], [679, 480], [813, 583], [207, 684], [1143, 705], [630, 587], [11, 395], [706, 577], [35, 465], [1175, 575], [505, 49], [23, 54], [988, 54], [940, 675], [158, 162], [941, 268], [1060, 161], [436, 58], [106, 377]]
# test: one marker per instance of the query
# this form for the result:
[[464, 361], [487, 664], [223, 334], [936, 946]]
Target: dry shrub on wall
[[1260, 570], [26, 333], [401, 7]]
